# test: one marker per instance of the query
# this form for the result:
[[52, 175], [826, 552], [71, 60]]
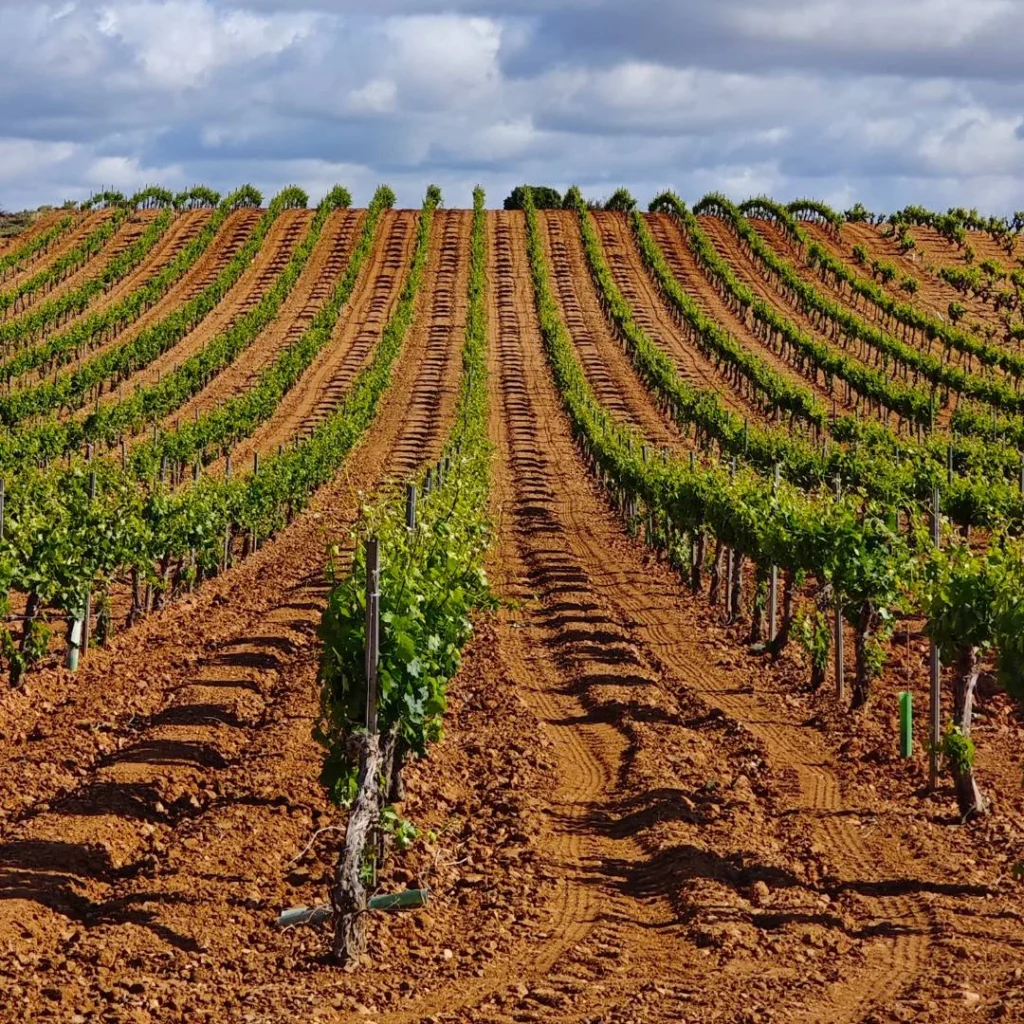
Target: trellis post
[[934, 663]]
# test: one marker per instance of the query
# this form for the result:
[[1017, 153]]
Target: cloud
[[889, 101], [179, 43], [378, 96], [22, 159]]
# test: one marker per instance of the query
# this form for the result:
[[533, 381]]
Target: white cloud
[[974, 141], [891, 25], [178, 43], [378, 96], [443, 59], [889, 101], [126, 173], [22, 159]]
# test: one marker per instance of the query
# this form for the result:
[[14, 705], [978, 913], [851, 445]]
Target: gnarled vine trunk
[[19, 664], [716, 573], [697, 570], [734, 599], [760, 602], [968, 794], [349, 895], [778, 645], [380, 760], [867, 622]]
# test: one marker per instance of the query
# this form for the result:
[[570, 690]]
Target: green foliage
[[196, 198], [858, 214], [153, 197], [544, 197], [883, 270], [402, 830], [782, 526], [431, 578], [815, 210], [103, 200], [957, 594], [51, 275], [957, 750], [40, 243], [37, 321], [621, 201], [811, 630], [912, 402], [71, 390]]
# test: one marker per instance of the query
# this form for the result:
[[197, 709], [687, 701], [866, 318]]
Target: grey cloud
[[890, 102]]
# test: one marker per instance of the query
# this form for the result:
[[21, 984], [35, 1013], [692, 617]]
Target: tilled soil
[[630, 817], [131, 229], [655, 316], [18, 230], [233, 234], [606, 366], [675, 246], [867, 311], [327, 263], [934, 294], [751, 273], [86, 224]]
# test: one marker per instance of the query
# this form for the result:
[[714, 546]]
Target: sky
[[884, 101]]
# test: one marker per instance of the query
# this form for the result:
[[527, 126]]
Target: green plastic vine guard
[[906, 723], [407, 899]]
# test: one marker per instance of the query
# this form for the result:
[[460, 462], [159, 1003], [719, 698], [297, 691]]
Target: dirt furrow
[[255, 281], [39, 226], [323, 386], [326, 265], [185, 227], [87, 224], [661, 635], [655, 316], [124, 237], [672, 241], [607, 367], [776, 240], [934, 295], [232, 236], [444, 302]]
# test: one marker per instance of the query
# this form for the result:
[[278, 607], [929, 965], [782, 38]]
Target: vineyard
[[566, 612]]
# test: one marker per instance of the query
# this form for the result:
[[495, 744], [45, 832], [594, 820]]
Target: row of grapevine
[[886, 469], [922, 326], [10, 262], [72, 390], [995, 461], [890, 351], [102, 327], [850, 543], [431, 580], [15, 299], [82, 528], [33, 324], [811, 355]]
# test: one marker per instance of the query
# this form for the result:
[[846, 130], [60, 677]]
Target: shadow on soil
[[46, 873]]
